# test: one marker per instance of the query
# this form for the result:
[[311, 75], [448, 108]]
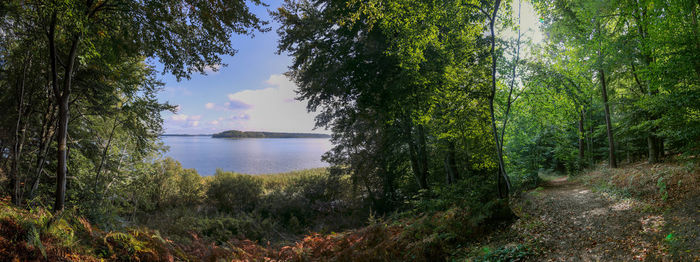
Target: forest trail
[[573, 223]]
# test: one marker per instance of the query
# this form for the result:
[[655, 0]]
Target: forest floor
[[584, 219]]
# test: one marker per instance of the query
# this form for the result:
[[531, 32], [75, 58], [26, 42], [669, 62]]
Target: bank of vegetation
[[440, 111], [257, 134]]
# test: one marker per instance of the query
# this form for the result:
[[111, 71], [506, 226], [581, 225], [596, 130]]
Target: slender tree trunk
[[104, 153], [4, 159], [17, 156], [512, 80], [448, 173], [694, 16], [118, 171], [62, 164], [651, 138], [415, 162], [653, 150], [502, 176], [590, 140], [608, 123], [20, 134], [62, 100], [452, 161], [581, 137], [423, 154], [388, 185], [47, 134]]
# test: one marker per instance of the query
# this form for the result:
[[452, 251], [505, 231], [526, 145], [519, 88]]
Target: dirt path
[[572, 223]]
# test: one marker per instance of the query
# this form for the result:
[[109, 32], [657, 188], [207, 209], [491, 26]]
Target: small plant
[[34, 239], [512, 253], [661, 184]]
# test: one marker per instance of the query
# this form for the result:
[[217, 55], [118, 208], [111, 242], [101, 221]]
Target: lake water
[[249, 155]]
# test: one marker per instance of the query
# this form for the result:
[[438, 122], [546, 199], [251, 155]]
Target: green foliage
[[465, 193], [403, 85], [507, 253], [651, 74], [232, 192], [661, 184]]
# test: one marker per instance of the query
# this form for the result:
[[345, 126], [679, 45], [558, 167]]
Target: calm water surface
[[249, 156]]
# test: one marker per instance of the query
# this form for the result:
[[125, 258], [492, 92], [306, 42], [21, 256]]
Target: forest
[[455, 136]]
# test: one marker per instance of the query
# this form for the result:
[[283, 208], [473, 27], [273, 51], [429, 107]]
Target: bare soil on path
[[570, 222]]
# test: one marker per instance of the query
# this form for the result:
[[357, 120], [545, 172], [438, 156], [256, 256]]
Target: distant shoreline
[[257, 134], [186, 135], [254, 134]]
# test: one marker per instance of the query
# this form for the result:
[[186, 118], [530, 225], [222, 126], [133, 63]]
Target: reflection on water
[[250, 156]]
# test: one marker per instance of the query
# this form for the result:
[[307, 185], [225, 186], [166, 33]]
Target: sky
[[251, 93]]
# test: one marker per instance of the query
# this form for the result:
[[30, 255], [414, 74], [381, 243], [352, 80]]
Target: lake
[[248, 155]]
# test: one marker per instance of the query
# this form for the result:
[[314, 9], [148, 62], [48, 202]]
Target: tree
[[391, 80], [587, 25], [640, 54], [186, 37]]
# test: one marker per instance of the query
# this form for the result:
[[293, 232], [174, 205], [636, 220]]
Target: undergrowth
[[659, 184], [670, 190], [443, 221]]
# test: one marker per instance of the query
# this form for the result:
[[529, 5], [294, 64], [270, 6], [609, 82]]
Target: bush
[[232, 192], [468, 192], [191, 187], [245, 226]]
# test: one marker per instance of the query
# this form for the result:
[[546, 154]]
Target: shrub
[[232, 192]]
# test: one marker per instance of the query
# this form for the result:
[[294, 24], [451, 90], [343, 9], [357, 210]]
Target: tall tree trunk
[[47, 134], [608, 123], [104, 154], [423, 154], [449, 178], [502, 176], [20, 134], [62, 100], [512, 80], [581, 137], [388, 185], [590, 139], [651, 138], [694, 16], [653, 149], [415, 159], [452, 161], [62, 163]]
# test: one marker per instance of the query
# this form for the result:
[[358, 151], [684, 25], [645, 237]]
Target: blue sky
[[251, 94]]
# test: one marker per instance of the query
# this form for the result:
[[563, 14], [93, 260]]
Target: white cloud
[[271, 109], [212, 69], [184, 120], [179, 117]]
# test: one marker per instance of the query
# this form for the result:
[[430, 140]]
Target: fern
[[34, 239]]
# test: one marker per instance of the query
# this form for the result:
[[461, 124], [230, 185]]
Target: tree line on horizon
[[260, 134]]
